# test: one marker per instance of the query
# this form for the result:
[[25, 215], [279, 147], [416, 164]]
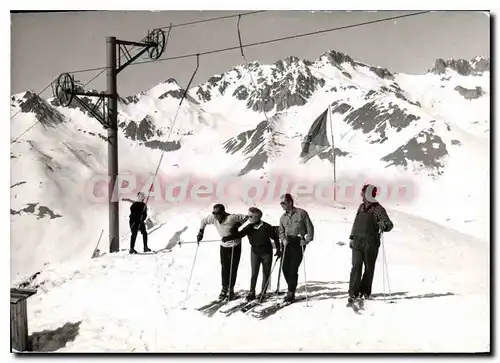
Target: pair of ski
[[274, 308], [212, 307], [245, 307]]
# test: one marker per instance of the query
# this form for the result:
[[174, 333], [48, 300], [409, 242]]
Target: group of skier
[[289, 239]]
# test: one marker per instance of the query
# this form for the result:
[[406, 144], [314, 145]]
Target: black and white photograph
[[250, 181]]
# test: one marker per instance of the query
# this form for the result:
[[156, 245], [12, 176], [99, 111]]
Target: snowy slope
[[428, 291], [429, 132]]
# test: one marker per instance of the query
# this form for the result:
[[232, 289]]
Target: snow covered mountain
[[429, 132], [419, 128]]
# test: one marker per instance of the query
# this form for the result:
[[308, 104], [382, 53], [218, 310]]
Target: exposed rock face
[[44, 112], [291, 84], [278, 87], [376, 117], [251, 144], [337, 59], [34, 209], [143, 132], [427, 150], [382, 73], [470, 94], [163, 145], [463, 67]]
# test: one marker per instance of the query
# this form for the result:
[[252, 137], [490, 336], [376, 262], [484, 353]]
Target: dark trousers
[[292, 259], [135, 227], [255, 261], [227, 272], [361, 283]]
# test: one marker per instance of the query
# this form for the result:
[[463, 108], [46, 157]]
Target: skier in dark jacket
[[138, 215], [259, 235], [295, 232], [371, 220]]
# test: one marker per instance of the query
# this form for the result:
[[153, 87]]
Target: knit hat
[[371, 188]]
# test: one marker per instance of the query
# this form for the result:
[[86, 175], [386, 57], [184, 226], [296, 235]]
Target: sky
[[44, 45]]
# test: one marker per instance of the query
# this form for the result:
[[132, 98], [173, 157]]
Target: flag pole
[[333, 157]]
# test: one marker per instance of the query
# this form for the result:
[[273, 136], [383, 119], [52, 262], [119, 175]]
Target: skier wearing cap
[[371, 220], [295, 232], [230, 250], [259, 235], [138, 215]]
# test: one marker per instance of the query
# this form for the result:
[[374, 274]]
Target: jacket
[[370, 220], [294, 224], [260, 236], [226, 228], [138, 212]]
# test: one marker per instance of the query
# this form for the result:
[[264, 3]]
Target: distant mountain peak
[[475, 66]]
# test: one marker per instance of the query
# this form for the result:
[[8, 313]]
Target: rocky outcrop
[[470, 94], [426, 151], [463, 67], [375, 117], [251, 144], [44, 113], [142, 132]]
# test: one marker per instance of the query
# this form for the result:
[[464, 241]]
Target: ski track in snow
[[133, 303]]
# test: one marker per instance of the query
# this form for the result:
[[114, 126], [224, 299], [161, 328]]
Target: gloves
[[382, 227], [307, 238], [199, 237], [278, 253]]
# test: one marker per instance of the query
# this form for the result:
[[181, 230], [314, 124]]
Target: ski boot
[[231, 295], [223, 293], [250, 296], [289, 298], [132, 251], [147, 249], [350, 300]]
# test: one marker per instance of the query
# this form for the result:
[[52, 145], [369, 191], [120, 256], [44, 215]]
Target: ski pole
[[190, 276], [386, 267], [268, 280], [383, 269], [208, 241], [230, 273], [94, 254], [281, 267], [265, 289], [305, 275]]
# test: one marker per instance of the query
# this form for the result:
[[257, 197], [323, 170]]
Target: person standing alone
[[370, 221], [138, 215]]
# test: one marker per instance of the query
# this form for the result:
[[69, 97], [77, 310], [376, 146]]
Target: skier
[[259, 235], [371, 220], [295, 232], [138, 215], [230, 250]]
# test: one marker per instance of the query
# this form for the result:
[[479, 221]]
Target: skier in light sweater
[[230, 251]]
